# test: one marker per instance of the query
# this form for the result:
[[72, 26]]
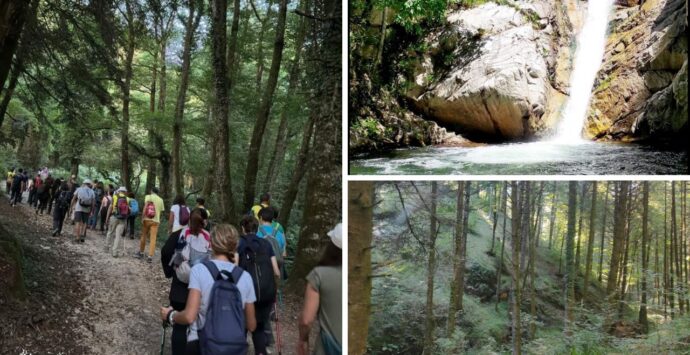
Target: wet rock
[[656, 80]]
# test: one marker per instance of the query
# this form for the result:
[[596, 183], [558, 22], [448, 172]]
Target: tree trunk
[[590, 240], [675, 246], [74, 167], [360, 226], [124, 134], [264, 110], [209, 183], [191, 24], [667, 289], [569, 275], [515, 274], [12, 22], [431, 269], [554, 208], [232, 43], [260, 47], [494, 214], [297, 174], [579, 230], [624, 264], [499, 269], [618, 241], [532, 261], [280, 145], [458, 262], [322, 197], [382, 36], [221, 108], [151, 168], [603, 230], [642, 318]]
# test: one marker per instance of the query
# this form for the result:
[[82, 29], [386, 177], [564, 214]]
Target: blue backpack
[[133, 207], [224, 329]]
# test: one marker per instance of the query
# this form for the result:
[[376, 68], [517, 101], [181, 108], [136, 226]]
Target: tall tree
[[642, 318], [461, 228], [569, 275], [603, 230], [619, 232], [195, 8], [323, 186], [360, 226], [554, 208], [280, 145], [515, 216], [12, 22], [264, 109], [221, 107], [590, 240], [431, 269]]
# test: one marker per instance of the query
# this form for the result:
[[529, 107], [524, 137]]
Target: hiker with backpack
[[178, 269], [256, 256], [133, 212], [54, 192], [323, 300], [151, 219], [98, 191], [8, 181], [106, 202], [200, 203], [62, 202], [44, 194], [179, 215], [273, 234], [18, 184], [117, 219], [264, 201], [84, 201], [220, 305], [34, 185]]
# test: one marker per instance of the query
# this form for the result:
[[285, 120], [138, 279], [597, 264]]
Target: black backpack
[[64, 199], [257, 262]]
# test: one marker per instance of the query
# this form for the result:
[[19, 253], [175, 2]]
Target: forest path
[[106, 305]]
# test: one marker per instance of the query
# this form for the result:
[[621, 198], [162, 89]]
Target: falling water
[[590, 52]]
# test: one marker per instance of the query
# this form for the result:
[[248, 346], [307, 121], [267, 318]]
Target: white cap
[[88, 182], [121, 189], [336, 235]]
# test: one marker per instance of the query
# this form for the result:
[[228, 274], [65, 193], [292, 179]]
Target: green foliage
[[411, 14]]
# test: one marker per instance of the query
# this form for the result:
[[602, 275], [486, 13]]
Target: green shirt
[[158, 203], [327, 281]]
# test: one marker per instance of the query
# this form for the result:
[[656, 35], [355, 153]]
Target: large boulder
[[640, 89], [495, 86]]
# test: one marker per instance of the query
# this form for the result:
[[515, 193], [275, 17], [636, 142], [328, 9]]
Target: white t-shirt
[[175, 209], [200, 279]]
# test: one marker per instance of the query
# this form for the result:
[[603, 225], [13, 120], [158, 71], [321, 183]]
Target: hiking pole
[[280, 343], [164, 325]]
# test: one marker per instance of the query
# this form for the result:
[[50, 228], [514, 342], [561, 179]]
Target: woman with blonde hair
[[208, 282]]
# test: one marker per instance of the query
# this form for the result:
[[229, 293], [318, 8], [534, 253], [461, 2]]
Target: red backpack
[[150, 210], [184, 215], [122, 207]]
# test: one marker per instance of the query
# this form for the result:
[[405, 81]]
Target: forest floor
[[81, 300]]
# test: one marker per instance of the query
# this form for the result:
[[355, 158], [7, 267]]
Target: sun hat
[[336, 235]]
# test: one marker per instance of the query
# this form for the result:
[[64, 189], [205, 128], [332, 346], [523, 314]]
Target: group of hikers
[[226, 280]]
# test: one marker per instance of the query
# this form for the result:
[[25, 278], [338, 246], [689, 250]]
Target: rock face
[[488, 74], [642, 90]]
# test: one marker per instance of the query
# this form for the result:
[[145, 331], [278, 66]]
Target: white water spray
[[591, 43]]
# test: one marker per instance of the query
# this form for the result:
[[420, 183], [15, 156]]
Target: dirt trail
[[93, 303]]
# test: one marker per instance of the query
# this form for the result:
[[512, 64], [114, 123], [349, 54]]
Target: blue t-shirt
[[265, 231]]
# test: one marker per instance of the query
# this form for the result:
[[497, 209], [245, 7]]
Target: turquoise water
[[538, 158]]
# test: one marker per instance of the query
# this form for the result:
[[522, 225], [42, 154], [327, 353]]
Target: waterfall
[[590, 51]]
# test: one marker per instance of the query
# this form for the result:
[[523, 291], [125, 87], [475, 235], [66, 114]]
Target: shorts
[[82, 217]]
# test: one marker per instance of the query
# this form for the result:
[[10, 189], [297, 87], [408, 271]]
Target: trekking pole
[[280, 343], [163, 340]]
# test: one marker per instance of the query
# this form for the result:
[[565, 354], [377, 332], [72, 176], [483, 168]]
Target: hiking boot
[[149, 259], [138, 255], [81, 240]]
